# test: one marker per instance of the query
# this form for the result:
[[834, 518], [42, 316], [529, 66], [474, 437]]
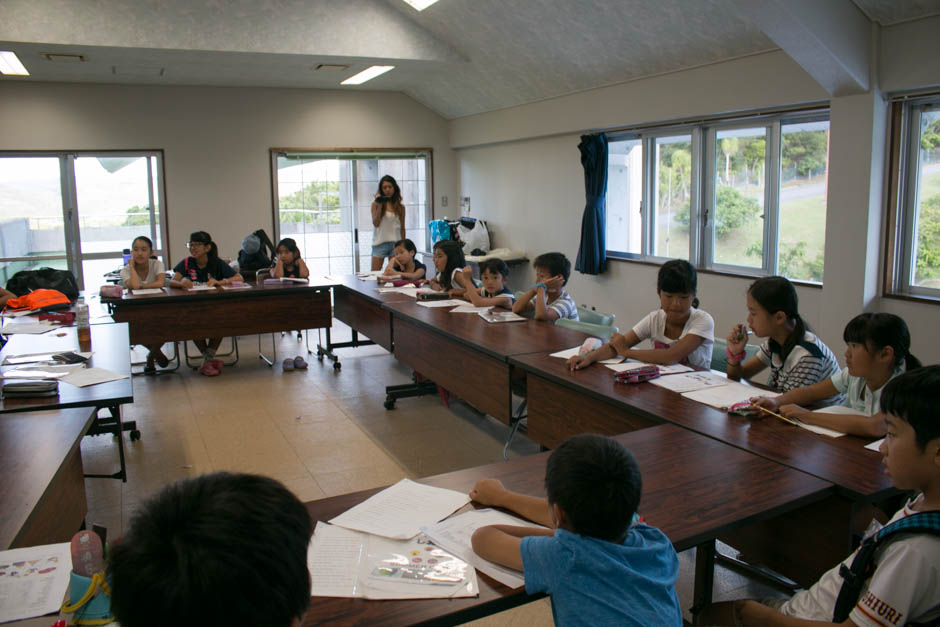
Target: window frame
[[703, 187]]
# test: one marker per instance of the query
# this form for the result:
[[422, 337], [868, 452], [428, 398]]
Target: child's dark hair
[[290, 245], [878, 330], [555, 263], [678, 276], [144, 239], [914, 397], [407, 244], [204, 238], [218, 549], [776, 293], [455, 259], [494, 266], [597, 482]]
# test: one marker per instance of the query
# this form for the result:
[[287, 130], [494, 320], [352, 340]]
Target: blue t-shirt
[[190, 270], [594, 582]]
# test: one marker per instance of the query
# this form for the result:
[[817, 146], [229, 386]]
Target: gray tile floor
[[319, 431]]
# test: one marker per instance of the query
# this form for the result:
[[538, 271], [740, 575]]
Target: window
[[323, 200], [743, 196], [77, 211], [914, 259]]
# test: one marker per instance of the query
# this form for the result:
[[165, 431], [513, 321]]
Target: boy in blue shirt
[[599, 566]]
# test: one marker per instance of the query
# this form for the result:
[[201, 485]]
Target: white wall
[[522, 170], [216, 140]]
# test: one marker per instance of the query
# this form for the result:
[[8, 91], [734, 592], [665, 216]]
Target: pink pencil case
[[638, 375]]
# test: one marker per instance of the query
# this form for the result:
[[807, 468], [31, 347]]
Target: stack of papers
[[149, 290], [32, 328]]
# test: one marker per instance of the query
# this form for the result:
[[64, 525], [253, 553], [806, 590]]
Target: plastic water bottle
[[83, 323]]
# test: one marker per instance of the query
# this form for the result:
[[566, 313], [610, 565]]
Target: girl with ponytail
[[878, 349]]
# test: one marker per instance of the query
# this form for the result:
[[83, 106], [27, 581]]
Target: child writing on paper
[[679, 331], [217, 549], [388, 218], [449, 263], [796, 357], [599, 566], [204, 266], [903, 587], [144, 271], [494, 293], [547, 297], [878, 347], [289, 262], [404, 264]]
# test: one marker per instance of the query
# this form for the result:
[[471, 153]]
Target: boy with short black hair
[[494, 293], [219, 549], [547, 296], [905, 585], [403, 262], [599, 566]]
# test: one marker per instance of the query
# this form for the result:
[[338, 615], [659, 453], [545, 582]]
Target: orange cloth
[[38, 299]]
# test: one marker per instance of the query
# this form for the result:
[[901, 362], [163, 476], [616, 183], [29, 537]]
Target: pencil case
[[433, 296], [638, 375], [402, 283], [744, 408]]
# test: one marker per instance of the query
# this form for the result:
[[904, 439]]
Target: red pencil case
[[638, 375]]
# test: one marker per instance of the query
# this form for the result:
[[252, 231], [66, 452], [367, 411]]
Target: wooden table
[[111, 348], [694, 489], [359, 305], [469, 356], [606, 407], [42, 495]]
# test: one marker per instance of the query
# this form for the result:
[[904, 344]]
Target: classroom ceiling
[[458, 57]]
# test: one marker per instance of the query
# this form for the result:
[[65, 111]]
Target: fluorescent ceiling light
[[420, 5], [367, 74], [10, 64]]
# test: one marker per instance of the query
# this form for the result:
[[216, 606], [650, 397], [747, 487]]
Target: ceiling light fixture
[[367, 74], [10, 64], [420, 5]]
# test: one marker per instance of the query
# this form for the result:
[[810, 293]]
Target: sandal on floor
[[162, 360], [217, 364], [208, 370], [288, 364], [299, 363]]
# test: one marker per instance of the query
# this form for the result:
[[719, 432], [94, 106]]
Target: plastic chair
[[595, 317], [601, 331], [720, 357]]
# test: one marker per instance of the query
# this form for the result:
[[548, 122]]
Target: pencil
[[773, 413]]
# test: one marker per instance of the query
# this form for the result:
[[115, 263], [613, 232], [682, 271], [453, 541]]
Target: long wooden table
[[694, 489], [360, 306], [792, 544]]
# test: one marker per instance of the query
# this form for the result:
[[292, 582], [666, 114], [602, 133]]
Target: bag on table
[[25, 281]]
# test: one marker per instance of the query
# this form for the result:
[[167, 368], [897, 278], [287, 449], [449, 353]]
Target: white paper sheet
[[451, 302], [148, 290], [20, 313], [501, 316], [34, 580], [453, 535], [32, 328], [832, 433], [404, 289], [400, 511], [237, 286], [689, 381], [32, 373], [34, 358], [342, 564], [470, 309], [633, 364], [571, 352], [724, 396], [875, 446], [91, 376]]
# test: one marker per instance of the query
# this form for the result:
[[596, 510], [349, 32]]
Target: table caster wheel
[[135, 435], [337, 365], [389, 403]]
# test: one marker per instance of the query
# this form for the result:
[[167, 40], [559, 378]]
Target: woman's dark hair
[[775, 293], [142, 238], [455, 259], [396, 195], [204, 238], [678, 277], [290, 245], [878, 330]]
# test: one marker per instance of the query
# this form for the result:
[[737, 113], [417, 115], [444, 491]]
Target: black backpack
[[264, 258], [864, 564], [25, 281]]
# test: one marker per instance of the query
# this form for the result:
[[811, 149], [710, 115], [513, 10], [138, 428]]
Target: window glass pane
[[673, 195], [804, 168], [739, 196], [30, 213], [927, 221], [113, 202], [624, 196]]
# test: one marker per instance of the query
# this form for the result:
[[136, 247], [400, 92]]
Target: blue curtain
[[592, 254]]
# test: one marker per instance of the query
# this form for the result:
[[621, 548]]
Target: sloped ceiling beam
[[830, 39]]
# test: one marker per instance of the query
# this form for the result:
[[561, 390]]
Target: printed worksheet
[[91, 376], [33, 580], [689, 381], [724, 396], [468, 308], [571, 352], [148, 290], [450, 302]]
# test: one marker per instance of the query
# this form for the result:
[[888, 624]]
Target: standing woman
[[388, 218]]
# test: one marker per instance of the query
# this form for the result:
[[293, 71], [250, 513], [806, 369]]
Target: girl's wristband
[[735, 358]]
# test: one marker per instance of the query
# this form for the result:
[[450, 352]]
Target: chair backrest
[[601, 331], [720, 357], [595, 317]]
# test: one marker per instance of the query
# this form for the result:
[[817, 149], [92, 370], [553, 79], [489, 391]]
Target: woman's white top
[[389, 229]]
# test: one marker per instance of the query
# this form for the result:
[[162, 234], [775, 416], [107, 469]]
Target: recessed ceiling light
[[420, 5], [10, 64], [58, 57], [329, 67], [367, 74]]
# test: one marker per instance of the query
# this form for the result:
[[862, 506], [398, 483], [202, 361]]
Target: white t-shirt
[[154, 271], [700, 323], [904, 588], [858, 395]]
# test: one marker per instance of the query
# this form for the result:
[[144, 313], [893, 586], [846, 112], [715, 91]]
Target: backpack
[[864, 564], [259, 258], [25, 281], [440, 230]]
